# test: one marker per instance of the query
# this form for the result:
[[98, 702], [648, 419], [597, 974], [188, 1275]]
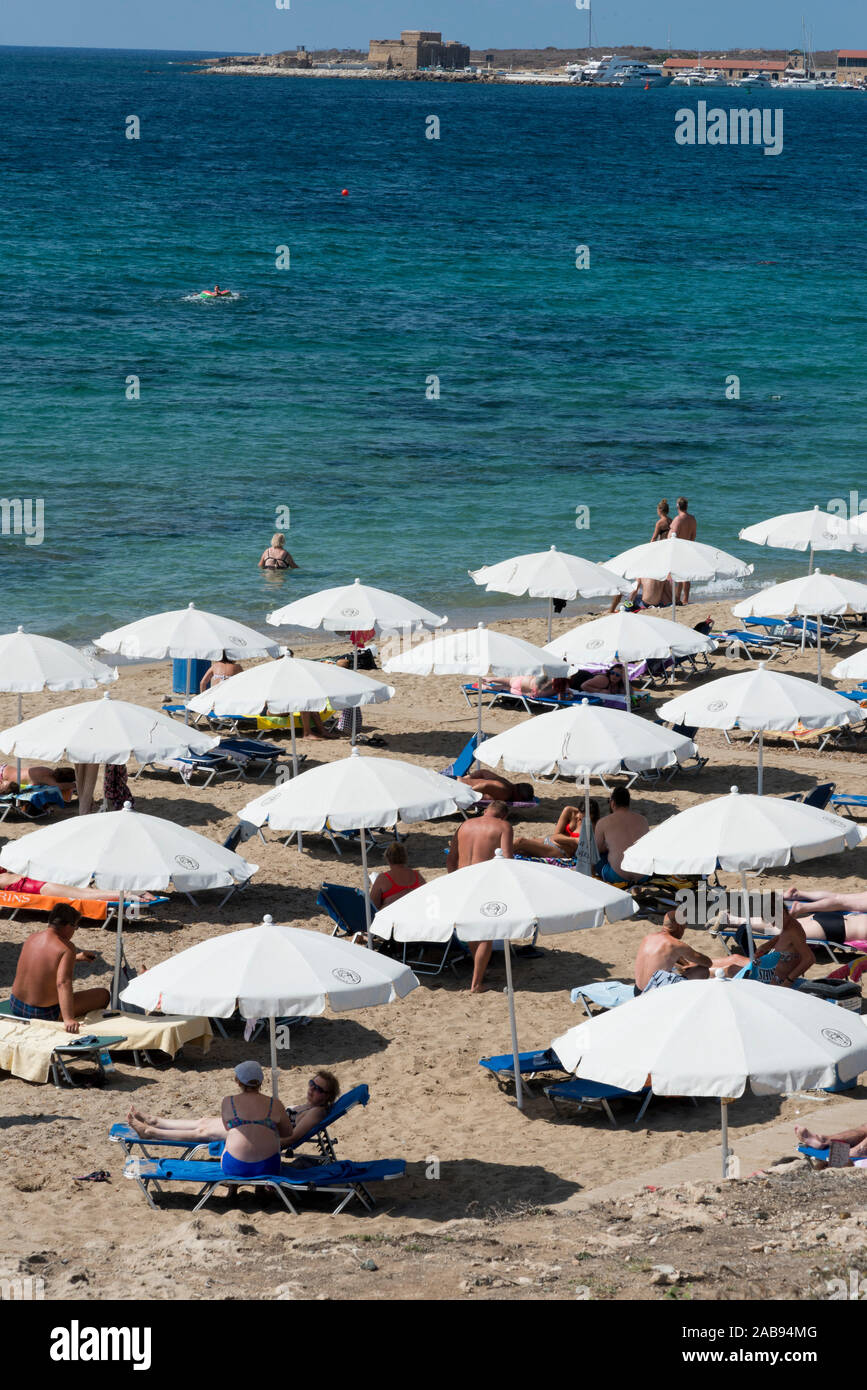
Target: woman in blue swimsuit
[[254, 1127]]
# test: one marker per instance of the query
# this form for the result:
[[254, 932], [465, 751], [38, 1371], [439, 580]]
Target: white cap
[[248, 1072]]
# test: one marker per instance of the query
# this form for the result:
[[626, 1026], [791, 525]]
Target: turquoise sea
[[559, 387]]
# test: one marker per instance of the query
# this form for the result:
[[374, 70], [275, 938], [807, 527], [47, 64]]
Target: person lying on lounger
[[14, 883], [253, 1131], [42, 988], [530, 685], [490, 783], [855, 1138], [63, 778], [838, 917], [610, 682], [562, 843], [780, 961]]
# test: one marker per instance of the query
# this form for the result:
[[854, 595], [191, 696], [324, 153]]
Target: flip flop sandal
[[99, 1175]]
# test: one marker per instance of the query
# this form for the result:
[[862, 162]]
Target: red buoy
[[344, 192]]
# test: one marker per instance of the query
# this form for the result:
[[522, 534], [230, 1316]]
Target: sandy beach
[[484, 1181]]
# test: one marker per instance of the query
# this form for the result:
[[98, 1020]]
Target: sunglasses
[[316, 1087]]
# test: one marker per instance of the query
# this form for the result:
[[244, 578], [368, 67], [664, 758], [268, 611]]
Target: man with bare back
[[43, 981], [685, 527], [473, 843]]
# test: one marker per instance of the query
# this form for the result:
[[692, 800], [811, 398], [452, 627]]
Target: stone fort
[[418, 48]]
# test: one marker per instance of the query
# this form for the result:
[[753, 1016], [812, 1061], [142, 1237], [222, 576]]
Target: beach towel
[[90, 908]]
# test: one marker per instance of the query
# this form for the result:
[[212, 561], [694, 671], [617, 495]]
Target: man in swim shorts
[[615, 834], [472, 843], [662, 956], [43, 981]]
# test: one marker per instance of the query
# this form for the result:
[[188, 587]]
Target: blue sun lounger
[[33, 803], [842, 799], [750, 641], [342, 1180], [607, 994], [126, 1136], [595, 1094], [530, 1064]]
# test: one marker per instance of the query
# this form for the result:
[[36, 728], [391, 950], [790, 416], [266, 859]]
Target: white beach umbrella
[[815, 595], [713, 1038], [478, 651], [503, 900], [627, 637], [682, 561], [270, 971], [549, 574], [738, 833], [103, 731], [852, 667], [125, 851], [760, 699], [585, 741], [358, 793], [290, 686], [189, 634], [30, 663], [812, 530], [355, 607]]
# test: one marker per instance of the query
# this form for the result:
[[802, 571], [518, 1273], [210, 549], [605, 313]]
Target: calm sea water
[[559, 387]]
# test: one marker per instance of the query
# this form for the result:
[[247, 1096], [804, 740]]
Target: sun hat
[[248, 1072]]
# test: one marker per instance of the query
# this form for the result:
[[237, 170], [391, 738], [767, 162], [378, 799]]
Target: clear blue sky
[[258, 26]]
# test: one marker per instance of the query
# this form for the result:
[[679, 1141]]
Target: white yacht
[[628, 72], [760, 81]]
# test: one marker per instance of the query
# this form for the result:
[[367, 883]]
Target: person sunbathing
[[530, 685], [397, 880], [838, 917], [663, 959], [63, 778], [490, 783], [610, 682], [14, 883], [42, 988], [255, 1153], [562, 843], [780, 961], [855, 1138]]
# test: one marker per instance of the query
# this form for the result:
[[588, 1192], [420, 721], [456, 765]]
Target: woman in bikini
[[220, 671], [610, 682], [562, 843], [277, 557], [253, 1130], [780, 961], [837, 917], [15, 883], [397, 880]]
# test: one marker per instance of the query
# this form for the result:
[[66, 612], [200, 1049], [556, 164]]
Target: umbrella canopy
[[627, 637], [288, 686], [760, 699], [358, 792], [812, 530], [738, 832], [549, 574], [503, 900], [189, 633], [125, 851], [714, 1037], [270, 971], [30, 663], [480, 651], [103, 731], [814, 595], [684, 561], [587, 740], [852, 668], [355, 607]]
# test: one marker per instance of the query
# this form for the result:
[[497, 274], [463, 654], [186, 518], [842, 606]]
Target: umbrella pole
[[626, 687], [673, 600], [367, 917], [18, 759], [354, 712], [761, 761], [818, 647], [272, 1025], [294, 760], [550, 617], [724, 1123], [746, 895], [479, 715], [519, 1094], [189, 691], [118, 952]]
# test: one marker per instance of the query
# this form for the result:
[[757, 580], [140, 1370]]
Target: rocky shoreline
[[234, 69]]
